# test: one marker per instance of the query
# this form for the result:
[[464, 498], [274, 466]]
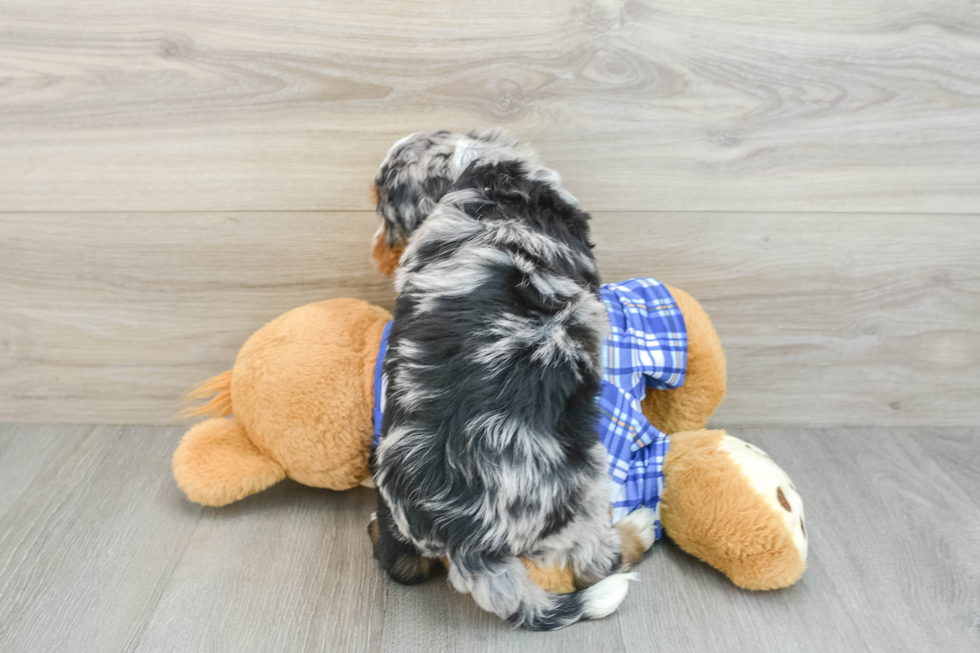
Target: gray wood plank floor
[[100, 552]]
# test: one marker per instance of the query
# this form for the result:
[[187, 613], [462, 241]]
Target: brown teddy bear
[[302, 394]]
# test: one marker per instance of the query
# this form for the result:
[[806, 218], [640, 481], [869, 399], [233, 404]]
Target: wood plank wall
[[173, 175]]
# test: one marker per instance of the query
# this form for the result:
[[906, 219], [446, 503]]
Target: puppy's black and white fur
[[489, 451]]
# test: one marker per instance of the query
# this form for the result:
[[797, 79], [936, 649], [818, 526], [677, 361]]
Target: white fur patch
[[602, 599], [466, 152]]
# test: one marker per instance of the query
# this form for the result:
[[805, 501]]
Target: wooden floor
[[100, 552]]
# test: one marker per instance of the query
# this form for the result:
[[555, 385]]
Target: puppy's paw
[[637, 532], [411, 569]]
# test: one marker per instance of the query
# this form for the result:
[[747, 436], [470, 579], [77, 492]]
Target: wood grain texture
[[892, 562], [957, 452], [898, 537], [102, 553], [434, 617], [88, 548], [826, 319], [286, 570], [22, 459], [849, 105], [109, 318]]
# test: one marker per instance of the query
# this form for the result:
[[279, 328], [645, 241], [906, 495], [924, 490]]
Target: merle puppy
[[489, 451]]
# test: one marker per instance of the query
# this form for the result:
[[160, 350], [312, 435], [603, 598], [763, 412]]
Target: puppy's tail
[[505, 589]]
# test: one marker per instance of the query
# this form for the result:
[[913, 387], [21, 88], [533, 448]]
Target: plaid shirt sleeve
[[635, 450], [646, 348], [647, 342]]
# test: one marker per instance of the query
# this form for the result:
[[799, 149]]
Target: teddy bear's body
[[303, 396], [302, 393]]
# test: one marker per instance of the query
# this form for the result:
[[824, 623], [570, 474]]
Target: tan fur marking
[[386, 258], [557, 580], [631, 544]]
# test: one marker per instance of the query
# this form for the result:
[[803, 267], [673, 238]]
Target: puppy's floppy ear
[[403, 204], [415, 175], [386, 256], [387, 247]]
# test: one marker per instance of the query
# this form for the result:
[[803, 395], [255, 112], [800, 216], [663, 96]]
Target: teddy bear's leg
[[689, 406], [727, 503], [216, 464]]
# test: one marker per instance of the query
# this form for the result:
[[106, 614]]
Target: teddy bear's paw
[[637, 532], [772, 484]]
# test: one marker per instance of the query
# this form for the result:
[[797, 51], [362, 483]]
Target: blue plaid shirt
[[646, 348]]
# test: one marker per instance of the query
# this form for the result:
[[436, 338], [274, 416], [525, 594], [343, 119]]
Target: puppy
[[488, 450]]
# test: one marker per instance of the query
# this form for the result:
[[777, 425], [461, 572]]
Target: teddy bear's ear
[[216, 464]]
